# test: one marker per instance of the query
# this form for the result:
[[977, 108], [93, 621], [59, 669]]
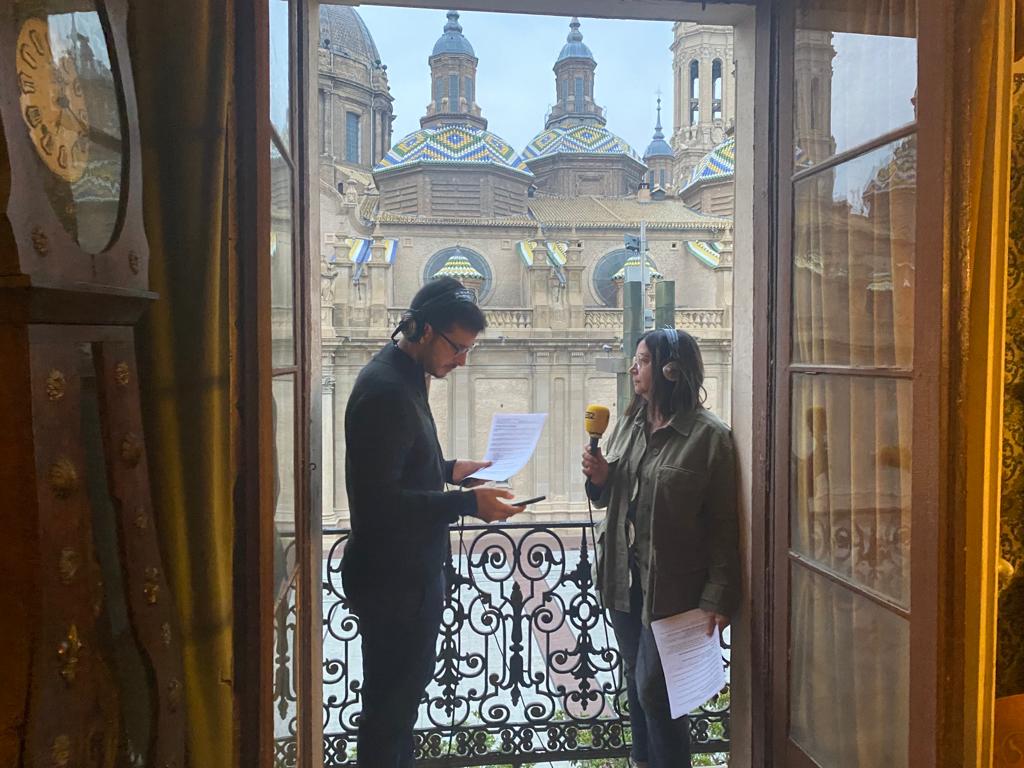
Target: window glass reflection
[[850, 87], [853, 260], [850, 504]]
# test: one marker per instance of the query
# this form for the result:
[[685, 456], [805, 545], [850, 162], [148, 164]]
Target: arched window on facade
[[650, 179], [351, 137], [815, 99], [438, 92], [605, 289], [578, 96], [453, 93], [483, 286], [694, 92], [661, 179], [716, 89], [467, 88]]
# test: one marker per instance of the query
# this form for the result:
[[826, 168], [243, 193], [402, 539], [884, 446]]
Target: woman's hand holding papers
[[716, 619]]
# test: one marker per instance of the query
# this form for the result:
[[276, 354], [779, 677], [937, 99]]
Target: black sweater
[[395, 474]]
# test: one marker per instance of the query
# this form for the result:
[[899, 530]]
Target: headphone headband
[[670, 370], [420, 316]]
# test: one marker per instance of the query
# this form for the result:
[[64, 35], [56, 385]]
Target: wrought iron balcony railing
[[527, 669]]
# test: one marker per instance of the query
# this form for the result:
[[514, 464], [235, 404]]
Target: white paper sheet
[[513, 439], [692, 661]]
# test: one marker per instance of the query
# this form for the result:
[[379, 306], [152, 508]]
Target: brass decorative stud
[[174, 689], [68, 566], [131, 449], [133, 262], [60, 752], [165, 634], [55, 385], [40, 242], [68, 652], [151, 589], [63, 478], [122, 374]]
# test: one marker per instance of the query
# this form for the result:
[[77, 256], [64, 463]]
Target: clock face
[[69, 103]]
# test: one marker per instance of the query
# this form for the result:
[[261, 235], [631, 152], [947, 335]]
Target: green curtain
[[182, 59]]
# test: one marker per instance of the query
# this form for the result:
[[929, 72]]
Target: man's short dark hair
[[445, 302]]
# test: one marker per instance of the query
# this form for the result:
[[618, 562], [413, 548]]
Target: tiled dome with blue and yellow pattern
[[459, 267], [453, 144], [579, 140], [718, 164]]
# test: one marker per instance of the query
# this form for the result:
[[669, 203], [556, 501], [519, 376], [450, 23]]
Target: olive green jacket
[[687, 532]]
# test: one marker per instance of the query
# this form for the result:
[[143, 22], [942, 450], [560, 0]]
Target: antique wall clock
[[91, 667]]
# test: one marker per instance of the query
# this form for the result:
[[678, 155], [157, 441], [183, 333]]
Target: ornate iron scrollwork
[[527, 668]]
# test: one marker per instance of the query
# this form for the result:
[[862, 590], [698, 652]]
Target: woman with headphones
[[669, 542]]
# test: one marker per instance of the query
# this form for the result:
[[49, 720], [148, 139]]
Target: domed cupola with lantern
[[453, 166], [576, 154]]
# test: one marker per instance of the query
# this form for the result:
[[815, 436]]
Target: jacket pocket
[[679, 535]]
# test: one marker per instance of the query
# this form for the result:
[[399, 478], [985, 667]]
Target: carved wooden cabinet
[[90, 662]]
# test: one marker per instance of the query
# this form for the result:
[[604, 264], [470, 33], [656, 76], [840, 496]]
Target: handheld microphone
[[595, 422]]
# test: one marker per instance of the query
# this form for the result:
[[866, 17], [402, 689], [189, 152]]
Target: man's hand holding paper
[[513, 439]]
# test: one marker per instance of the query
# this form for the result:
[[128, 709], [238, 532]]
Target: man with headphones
[[395, 474]]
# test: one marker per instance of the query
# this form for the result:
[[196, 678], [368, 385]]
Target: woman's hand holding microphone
[[595, 467]]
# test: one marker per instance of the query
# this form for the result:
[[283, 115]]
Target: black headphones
[[414, 322], [671, 370]]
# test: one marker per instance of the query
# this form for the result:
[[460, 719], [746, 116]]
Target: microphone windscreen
[[595, 420]]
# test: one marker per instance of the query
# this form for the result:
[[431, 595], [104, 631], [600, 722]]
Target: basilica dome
[[343, 31], [716, 165], [452, 145], [452, 40], [577, 140]]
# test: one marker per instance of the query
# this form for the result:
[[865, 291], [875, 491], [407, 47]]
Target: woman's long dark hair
[[686, 392]]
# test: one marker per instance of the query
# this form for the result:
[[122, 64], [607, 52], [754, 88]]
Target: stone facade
[[355, 103], [705, 92], [540, 237]]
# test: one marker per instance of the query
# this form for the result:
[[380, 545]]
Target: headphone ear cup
[[411, 328], [670, 371]]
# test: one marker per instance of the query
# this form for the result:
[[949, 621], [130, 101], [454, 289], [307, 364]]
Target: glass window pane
[[284, 481], [280, 69], [855, 77], [850, 478], [352, 137], [853, 260], [849, 680], [282, 268]]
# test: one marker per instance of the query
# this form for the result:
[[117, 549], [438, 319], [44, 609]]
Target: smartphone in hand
[[527, 502]]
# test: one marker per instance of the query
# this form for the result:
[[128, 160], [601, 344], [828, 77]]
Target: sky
[[515, 83]]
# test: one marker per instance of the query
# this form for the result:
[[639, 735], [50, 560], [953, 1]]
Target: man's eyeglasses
[[458, 349]]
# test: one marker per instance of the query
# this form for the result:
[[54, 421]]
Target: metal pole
[[643, 274], [665, 304]]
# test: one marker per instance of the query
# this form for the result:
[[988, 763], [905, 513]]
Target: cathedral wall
[[559, 379], [455, 194], [402, 193], [568, 176], [497, 246]]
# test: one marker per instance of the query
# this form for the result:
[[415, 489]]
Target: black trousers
[[658, 740], [399, 639]]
